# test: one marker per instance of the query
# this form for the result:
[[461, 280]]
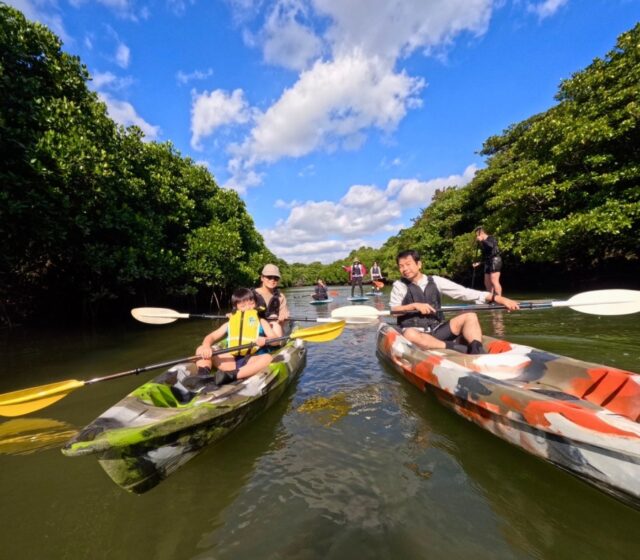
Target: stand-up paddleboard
[[358, 298], [320, 301], [375, 293]]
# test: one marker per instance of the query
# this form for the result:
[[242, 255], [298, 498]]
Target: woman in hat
[[269, 299]]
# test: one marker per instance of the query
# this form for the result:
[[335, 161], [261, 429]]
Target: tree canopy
[[89, 211]]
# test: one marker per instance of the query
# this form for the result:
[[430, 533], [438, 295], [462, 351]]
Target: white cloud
[[186, 77], [337, 102], [415, 193], [329, 107], [179, 7], [327, 231], [213, 110], [286, 41], [284, 204], [123, 55], [125, 114], [323, 251], [392, 29], [547, 8], [108, 80]]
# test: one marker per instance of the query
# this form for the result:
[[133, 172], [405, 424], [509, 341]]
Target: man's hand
[[510, 304], [424, 308]]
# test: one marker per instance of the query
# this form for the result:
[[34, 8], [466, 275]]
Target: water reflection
[[23, 436]]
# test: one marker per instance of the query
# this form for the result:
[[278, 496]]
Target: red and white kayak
[[580, 416]]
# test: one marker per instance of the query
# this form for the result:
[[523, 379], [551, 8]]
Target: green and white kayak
[[159, 426]]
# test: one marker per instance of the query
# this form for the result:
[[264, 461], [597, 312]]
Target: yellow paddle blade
[[320, 333], [25, 401]]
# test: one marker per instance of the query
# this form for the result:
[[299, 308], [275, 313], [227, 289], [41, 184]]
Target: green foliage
[[89, 211]]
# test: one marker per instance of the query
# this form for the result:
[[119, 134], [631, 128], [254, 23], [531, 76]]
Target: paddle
[[162, 316], [598, 302], [25, 401]]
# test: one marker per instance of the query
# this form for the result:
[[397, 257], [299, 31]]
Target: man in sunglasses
[[269, 298]]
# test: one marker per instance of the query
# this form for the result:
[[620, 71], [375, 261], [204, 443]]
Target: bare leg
[[277, 329], [488, 285], [467, 325], [422, 339], [494, 278]]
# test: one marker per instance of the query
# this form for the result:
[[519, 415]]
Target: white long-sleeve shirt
[[446, 287]]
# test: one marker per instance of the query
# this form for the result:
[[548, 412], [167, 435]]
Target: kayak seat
[[617, 391], [158, 394]]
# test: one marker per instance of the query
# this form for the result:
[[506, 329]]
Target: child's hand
[[204, 351], [261, 341]]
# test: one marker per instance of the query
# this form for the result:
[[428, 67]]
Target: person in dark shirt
[[491, 259], [320, 293]]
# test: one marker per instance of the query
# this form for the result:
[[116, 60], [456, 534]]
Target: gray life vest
[[430, 295]]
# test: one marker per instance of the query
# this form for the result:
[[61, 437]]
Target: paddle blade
[[157, 315], [25, 401], [606, 302], [351, 311], [320, 333]]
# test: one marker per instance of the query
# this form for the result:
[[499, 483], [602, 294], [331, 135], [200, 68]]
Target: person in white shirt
[[416, 300]]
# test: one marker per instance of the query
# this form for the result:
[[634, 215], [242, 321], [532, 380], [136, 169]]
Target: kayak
[[358, 298], [160, 425], [579, 416], [320, 301]]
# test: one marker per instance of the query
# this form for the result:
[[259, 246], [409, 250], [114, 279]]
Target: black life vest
[[356, 271], [430, 295], [321, 293], [268, 311]]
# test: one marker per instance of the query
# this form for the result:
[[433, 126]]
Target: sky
[[335, 120]]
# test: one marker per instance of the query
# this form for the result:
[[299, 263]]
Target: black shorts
[[441, 331], [494, 265]]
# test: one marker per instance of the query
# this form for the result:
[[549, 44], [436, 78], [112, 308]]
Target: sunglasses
[[276, 278]]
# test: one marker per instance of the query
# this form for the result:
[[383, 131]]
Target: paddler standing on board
[[356, 275], [269, 301], [376, 277], [416, 298]]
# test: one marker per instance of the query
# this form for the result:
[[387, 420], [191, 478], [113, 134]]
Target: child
[[320, 293], [244, 326]]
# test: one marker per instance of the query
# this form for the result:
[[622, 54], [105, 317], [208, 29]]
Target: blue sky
[[335, 119]]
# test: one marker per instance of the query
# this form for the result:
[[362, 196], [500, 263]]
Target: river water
[[353, 462]]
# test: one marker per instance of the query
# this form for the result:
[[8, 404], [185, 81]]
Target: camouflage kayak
[[161, 425], [581, 417]]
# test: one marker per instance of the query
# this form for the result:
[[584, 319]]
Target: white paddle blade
[[157, 315], [352, 311], [605, 302]]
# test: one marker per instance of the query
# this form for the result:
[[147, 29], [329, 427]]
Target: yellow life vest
[[243, 328]]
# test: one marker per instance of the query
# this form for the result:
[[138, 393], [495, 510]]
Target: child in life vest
[[244, 326]]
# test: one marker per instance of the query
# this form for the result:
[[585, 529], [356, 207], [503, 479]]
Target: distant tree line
[[561, 190], [90, 214]]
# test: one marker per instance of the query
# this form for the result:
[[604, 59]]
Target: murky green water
[[353, 463]]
